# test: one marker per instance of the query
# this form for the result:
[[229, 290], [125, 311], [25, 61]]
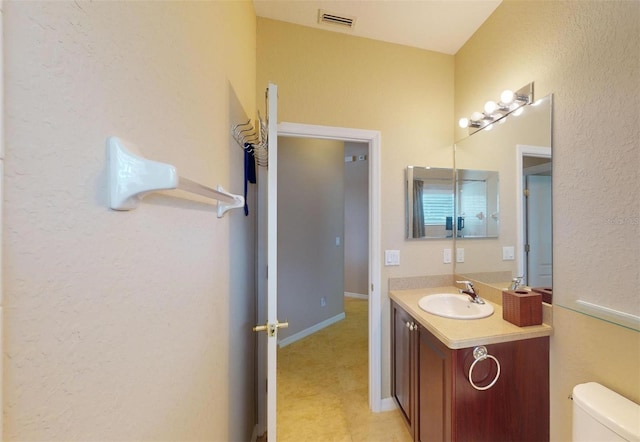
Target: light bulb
[[463, 122], [518, 111], [490, 107], [476, 116], [489, 127], [507, 96]]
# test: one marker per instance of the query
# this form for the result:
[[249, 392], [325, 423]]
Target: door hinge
[[526, 248], [526, 193]]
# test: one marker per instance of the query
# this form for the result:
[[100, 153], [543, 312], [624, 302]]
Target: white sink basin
[[454, 306]]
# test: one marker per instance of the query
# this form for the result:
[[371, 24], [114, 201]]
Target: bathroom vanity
[[506, 398]]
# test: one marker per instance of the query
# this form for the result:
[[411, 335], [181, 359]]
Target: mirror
[[477, 204], [435, 208], [429, 203], [518, 149]]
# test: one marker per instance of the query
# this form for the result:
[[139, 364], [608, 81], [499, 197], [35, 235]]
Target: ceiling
[[435, 25]]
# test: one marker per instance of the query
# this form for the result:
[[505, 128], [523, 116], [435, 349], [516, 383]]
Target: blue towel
[[249, 172]]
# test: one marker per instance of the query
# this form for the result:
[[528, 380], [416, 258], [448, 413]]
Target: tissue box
[[546, 292], [522, 307]]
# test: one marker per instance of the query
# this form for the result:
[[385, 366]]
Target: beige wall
[[587, 54], [121, 325], [126, 325], [331, 79]]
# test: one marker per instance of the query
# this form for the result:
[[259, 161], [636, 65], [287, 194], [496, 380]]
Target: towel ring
[[480, 354]]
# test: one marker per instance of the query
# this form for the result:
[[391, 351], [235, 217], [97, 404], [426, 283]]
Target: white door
[[268, 271], [538, 219]]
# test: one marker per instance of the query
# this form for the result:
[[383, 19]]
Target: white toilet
[[602, 415]]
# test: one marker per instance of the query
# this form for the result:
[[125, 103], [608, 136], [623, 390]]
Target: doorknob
[[271, 328]]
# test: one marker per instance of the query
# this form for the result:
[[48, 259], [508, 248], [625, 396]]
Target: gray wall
[[310, 218], [356, 221]]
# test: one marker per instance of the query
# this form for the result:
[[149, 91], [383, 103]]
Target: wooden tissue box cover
[[522, 307], [546, 292]]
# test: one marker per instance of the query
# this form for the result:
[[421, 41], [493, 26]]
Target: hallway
[[323, 388]]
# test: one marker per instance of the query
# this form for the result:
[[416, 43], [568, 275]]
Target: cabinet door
[[516, 408], [403, 372], [434, 399]]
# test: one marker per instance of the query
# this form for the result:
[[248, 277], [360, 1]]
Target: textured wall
[[126, 325], [588, 55]]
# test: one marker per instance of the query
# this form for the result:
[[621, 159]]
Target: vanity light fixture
[[510, 102]]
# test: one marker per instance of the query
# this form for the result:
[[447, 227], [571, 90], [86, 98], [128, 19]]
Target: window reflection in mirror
[[429, 203]]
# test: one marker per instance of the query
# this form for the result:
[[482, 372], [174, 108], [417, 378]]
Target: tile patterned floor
[[323, 387]]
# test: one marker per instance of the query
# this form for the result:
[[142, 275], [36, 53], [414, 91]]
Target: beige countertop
[[463, 333]]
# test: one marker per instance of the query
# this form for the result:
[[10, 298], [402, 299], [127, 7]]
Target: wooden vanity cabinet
[[404, 376], [446, 407]]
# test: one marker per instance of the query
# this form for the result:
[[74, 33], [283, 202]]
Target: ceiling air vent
[[335, 19]]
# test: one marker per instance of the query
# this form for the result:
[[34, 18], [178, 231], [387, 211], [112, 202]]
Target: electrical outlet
[[460, 254], [323, 302]]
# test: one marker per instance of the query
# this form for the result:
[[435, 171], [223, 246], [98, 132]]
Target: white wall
[[126, 325]]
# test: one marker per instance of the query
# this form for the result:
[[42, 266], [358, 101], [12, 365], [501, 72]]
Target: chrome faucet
[[471, 291], [516, 283]]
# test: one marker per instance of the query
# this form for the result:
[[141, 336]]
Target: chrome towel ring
[[480, 354]]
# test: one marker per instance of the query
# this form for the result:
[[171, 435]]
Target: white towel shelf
[[131, 177]]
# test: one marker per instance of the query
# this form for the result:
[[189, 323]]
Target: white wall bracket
[[131, 177]]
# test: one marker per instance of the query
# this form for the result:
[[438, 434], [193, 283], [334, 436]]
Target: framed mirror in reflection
[[518, 149], [439, 206]]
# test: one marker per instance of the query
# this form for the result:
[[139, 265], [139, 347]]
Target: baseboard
[[254, 435], [387, 404], [311, 330], [355, 295]]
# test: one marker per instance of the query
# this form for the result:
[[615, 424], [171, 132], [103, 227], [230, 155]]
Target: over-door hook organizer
[[131, 177]]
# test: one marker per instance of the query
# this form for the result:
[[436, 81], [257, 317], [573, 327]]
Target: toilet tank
[[600, 415]]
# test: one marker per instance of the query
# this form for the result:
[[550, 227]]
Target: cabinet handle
[[412, 326]]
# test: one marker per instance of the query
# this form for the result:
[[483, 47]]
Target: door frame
[[373, 139], [523, 150]]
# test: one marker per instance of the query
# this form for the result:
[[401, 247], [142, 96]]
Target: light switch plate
[[508, 253], [392, 257], [460, 254], [446, 256]]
